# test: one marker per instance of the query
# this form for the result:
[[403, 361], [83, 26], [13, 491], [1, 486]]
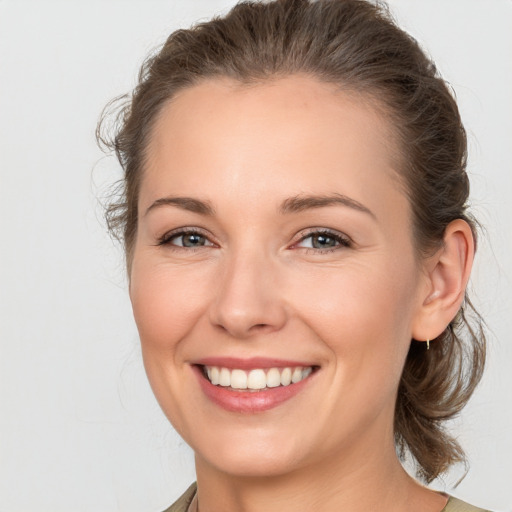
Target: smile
[[255, 379], [254, 385]]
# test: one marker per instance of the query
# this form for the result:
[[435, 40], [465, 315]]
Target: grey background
[[79, 427]]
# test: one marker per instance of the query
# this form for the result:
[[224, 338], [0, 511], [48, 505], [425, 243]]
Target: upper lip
[[250, 363]]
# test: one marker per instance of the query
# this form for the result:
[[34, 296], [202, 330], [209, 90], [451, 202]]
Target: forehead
[[294, 133]]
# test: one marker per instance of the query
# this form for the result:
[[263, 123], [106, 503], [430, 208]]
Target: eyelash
[[168, 237], [342, 240]]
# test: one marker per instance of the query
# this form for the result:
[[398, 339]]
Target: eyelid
[[166, 238], [342, 239]]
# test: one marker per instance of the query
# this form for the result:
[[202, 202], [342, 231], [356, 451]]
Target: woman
[[298, 249]]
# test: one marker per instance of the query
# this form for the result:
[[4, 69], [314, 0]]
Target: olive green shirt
[[453, 505]]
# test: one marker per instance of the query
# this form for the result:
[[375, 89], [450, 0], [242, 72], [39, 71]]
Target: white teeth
[[273, 378], [214, 375], [257, 378], [286, 376], [297, 375], [225, 377], [238, 379]]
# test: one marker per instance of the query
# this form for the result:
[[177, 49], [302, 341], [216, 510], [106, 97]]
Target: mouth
[[257, 379], [252, 386]]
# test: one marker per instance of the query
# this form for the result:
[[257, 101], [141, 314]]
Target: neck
[[345, 482]]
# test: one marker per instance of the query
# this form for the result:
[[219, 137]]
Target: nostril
[[261, 328]]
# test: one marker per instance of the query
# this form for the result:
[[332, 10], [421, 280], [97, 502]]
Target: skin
[[257, 288]]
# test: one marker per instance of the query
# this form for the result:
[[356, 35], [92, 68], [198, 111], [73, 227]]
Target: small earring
[[428, 344]]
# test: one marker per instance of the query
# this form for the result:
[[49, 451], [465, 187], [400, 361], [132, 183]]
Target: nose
[[249, 298]]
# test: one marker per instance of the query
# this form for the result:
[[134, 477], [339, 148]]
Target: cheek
[[363, 316], [363, 296], [166, 303], [363, 313]]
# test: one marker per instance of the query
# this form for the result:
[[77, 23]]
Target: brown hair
[[356, 45]]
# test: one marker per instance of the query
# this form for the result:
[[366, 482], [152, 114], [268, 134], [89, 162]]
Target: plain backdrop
[[79, 427]]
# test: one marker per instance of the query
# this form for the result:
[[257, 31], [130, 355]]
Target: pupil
[[320, 241], [193, 240]]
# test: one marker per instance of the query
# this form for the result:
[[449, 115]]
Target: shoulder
[[181, 505], [453, 505], [456, 505]]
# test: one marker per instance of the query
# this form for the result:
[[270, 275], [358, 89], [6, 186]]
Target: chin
[[259, 465], [250, 456]]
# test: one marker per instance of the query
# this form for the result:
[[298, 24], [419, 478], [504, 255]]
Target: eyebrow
[[294, 204], [185, 203], [305, 202]]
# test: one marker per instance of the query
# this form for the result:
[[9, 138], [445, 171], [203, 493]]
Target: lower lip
[[249, 401]]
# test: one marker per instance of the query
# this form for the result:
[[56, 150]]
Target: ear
[[446, 277]]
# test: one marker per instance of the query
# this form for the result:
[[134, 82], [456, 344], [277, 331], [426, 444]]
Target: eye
[[188, 239], [323, 240]]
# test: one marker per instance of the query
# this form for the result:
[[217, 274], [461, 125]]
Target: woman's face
[[274, 252]]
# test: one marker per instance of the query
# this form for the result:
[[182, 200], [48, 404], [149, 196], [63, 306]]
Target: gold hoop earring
[[428, 344]]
